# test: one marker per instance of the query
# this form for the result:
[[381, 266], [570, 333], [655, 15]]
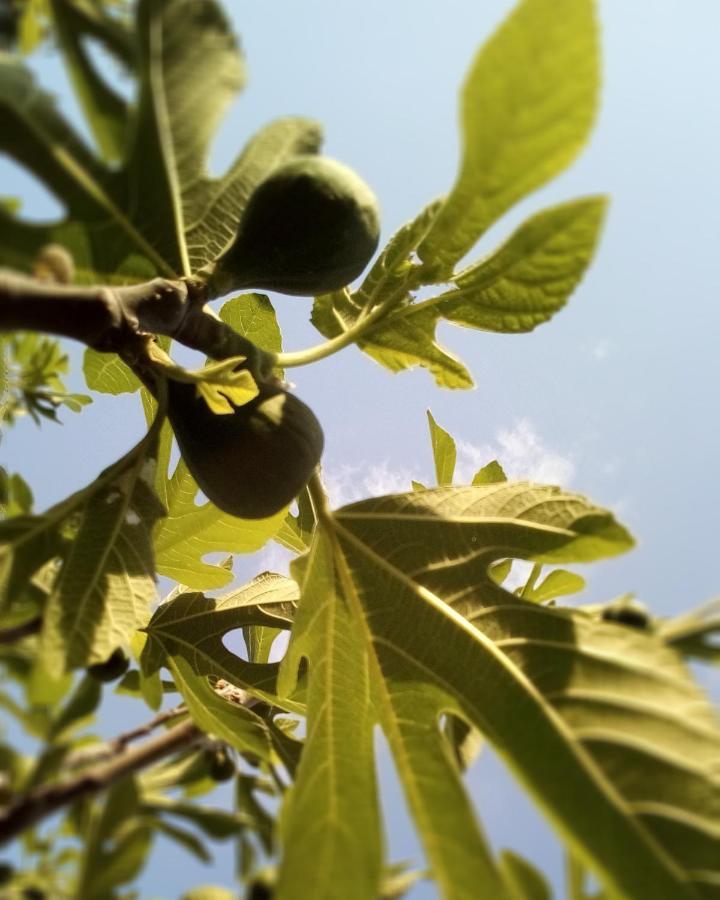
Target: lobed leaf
[[107, 579], [444, 452], [527, 107], [192, 626], [601, 723], [330, 826]]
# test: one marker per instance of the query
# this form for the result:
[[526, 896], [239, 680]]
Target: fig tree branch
[[114, 319], [38, 804], [17, 632], [109, 749]]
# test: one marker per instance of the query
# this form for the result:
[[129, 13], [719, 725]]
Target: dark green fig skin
[[253, 462], [114, 666], [310, 228], [632, 616], [221, 766]]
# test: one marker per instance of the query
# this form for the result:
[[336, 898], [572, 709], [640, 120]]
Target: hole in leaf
[[36, 202], [111, 72], [234, 641]]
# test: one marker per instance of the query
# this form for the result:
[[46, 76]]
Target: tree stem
[[42, 802]]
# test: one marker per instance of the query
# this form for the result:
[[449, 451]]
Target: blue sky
[[614, 397]]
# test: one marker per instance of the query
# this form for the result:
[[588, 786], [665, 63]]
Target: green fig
[[113, 667], [627, 612], [254, 461], [221, 766], [309, 228]]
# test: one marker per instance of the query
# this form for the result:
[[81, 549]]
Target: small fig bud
[[627, 612], [254, 461], [310, 228], [114, 666], [221, 766]]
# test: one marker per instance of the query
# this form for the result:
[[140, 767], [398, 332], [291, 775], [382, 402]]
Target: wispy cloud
[[348, 483], [521, 452]]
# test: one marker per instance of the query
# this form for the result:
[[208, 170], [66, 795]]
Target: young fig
[[254, 461], [309, 228]]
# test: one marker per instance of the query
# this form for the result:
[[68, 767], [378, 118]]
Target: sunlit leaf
[[330, 824], [558, 583], [527, 108], [492, 473], [601, 723], [444, 452], [107, 579], [526, 882], [235, 724], [193, 626]]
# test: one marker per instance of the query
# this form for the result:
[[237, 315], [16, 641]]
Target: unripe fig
[[221, 766], [254, 461], [311, 227], [632, 613], [113, 667]]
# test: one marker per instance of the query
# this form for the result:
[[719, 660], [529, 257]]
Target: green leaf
[[123, 863], [107, 580], [492, 473], [81, 706], [559, 583], [520, 286], [526, 882], [192, 626], [695, 633], [108, 374], [444, 452], [329, 829], [215, 823], [16, 496], [253, 316], [222, 387], [601, 723], [236, 725], [209, 892], [530, 277], [105, 111], [527, 107], [297, 531], [108, 244], [183, 838], [157, 212], [30, 546], [398, 342], [189, 70]]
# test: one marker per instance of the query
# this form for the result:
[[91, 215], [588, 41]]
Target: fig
[[254, 461], [114, 666], [630, 613], [221, 766], [309, 228]]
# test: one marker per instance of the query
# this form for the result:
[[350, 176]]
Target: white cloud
[[521, 452], [601, 349], [274, 558], [353, 482]]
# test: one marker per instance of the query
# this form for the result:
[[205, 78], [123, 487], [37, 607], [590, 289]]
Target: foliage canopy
[[401, 610]]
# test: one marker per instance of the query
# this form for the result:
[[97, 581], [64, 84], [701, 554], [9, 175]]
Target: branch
[[112, 319], [17, 632], [111, 748], [35, 806]]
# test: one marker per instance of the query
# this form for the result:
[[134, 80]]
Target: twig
[[16, 632], [111, 748], [42, 802]]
